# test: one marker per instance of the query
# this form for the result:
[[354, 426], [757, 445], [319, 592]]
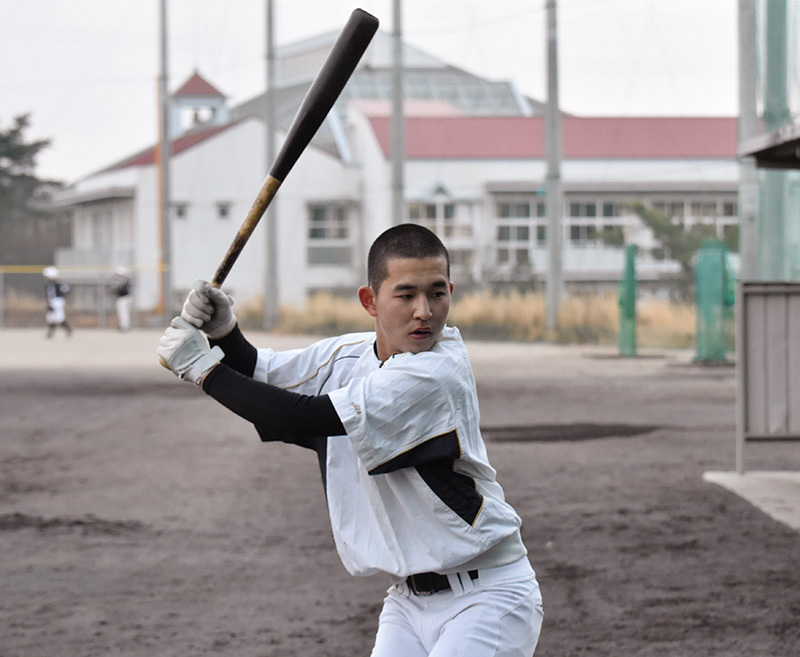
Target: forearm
[[239, 353], [276, 413]]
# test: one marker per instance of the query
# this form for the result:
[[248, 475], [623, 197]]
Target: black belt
[[430, 583]]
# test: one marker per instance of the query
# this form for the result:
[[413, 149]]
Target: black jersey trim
[[456, 490], [434, 460], [442, 447]]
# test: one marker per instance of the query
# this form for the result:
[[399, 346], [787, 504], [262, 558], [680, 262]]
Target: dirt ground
[[137, 517]]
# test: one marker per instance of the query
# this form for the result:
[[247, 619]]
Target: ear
[[366, 295]]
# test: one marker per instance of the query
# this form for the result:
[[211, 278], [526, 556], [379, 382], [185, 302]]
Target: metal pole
[[773, 258], [554, 191], [164, 180], [748, 128], [398, 131], [2, 298], [271, 291]]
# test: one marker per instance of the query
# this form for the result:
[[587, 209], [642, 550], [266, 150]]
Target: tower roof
[[197, 87]]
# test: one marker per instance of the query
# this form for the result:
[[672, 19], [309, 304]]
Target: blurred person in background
[[121, 287], [56, 291]]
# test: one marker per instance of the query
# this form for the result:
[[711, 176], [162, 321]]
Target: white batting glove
[[209, 309], [185, 350]]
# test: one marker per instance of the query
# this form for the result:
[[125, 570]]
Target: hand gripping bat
[[334, 74]]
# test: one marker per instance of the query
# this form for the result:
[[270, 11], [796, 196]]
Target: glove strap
[[197, 371]]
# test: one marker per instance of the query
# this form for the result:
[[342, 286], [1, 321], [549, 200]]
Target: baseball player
[[121, 288], [55, 291], [393, 415]]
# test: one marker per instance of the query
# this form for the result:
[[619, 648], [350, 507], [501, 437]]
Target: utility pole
[[164, 153], [555, 202], [397, 128], [748, 128], [271, 292]]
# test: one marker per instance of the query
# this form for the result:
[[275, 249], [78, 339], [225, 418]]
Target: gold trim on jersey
[[333, 355]]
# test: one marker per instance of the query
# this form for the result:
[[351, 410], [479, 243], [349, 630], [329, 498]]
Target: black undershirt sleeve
[[278, 415], [239, 353]]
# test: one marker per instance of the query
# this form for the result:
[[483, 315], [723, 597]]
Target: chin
[[417, 347]]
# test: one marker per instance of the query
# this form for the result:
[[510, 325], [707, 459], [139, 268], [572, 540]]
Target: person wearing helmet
[[55, 292]]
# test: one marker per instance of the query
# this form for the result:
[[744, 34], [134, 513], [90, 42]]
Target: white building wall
[[376, 175], [147, 239], [317, 178], [225, 171]]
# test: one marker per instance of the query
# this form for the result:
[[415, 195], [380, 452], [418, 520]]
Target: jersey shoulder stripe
[[325, 364]]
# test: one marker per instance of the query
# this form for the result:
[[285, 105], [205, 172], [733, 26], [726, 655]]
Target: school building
[[474, 172]]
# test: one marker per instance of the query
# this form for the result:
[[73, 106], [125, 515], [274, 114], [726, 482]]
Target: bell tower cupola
[[197, 102]]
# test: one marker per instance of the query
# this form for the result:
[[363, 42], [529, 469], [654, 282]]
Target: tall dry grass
[[325, 314], [583, 319]]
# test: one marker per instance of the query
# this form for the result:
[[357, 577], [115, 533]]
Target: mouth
[[421, 333]]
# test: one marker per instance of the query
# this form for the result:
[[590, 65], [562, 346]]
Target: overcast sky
[[86, 70]]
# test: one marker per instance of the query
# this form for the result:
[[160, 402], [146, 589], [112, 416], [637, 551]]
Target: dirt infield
[[137, 517]]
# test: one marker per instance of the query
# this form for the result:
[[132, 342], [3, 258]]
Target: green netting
[[715, 299], [627, 305]]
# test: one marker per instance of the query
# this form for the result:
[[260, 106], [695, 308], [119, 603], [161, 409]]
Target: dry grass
[[327, 315], [583, 319], [664, 324]]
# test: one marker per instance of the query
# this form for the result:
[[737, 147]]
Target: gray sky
[[87, 70]]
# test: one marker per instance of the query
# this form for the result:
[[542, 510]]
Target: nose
[[422, 309]]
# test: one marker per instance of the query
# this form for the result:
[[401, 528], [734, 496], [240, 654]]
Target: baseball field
[[138, 517]]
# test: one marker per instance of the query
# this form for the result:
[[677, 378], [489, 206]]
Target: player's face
[[411, 305]]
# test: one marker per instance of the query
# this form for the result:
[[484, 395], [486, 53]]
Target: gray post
[[748, 128], [164, 190], [2, 299], [398, 132], [554, 192], [271, 293]]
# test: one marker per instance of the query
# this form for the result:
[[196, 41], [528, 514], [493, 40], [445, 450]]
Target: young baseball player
[[55, 291], [393, 416]]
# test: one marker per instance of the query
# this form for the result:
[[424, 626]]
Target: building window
[[541, 235], [583, 209], [519, 221], [450, 220], [704, 209], [328, 222], [329, 235], [423, 214], [674, 210]]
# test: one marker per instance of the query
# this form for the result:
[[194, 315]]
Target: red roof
[[182, 143], [470, 137], [198, 86]]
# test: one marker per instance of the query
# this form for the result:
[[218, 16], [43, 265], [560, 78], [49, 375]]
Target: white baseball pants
[[498, 615]]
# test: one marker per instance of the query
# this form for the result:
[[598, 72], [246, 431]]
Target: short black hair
[[402, 241]]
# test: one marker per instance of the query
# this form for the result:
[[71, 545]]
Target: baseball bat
[[325, 89]]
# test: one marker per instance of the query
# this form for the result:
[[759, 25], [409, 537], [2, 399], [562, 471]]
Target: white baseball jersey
[[409, 488]]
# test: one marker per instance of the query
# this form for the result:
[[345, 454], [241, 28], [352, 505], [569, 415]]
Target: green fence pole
[[627, 304]]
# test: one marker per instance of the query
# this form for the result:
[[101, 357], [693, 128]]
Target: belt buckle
[[412, 581]]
